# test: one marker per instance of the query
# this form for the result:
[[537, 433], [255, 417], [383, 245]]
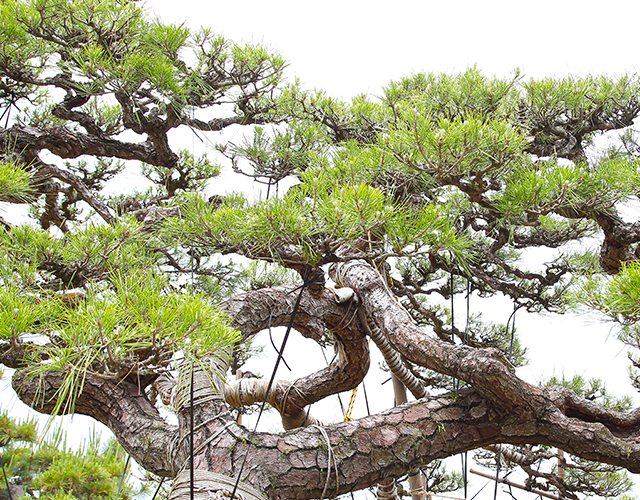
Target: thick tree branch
[[290, 398], [256, 310], [71, 144], [497, 407], [120, 405], [486, 369], [260, 309], [294, 464]]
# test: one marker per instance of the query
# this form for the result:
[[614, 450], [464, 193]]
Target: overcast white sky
[[349, 47]]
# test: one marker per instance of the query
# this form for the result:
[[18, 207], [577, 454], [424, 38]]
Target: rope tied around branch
[[206, 387], [210, 485], [391, 356], [387, 490], [331, 457], [195, 387]]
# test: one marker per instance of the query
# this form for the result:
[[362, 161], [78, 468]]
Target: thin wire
[[191, 431], [456, 382], [124, 472], [510, 490], [427, 478], [305, 283], [280, 354], [366, 398], [192, 270], [158, 489], [275, 348], [6, 480], [7, 110], [464, 457], [452, 318], [324, 355], [495, 491], [512, 318], [191, 412], [466, 328], [306, 417], [485, 485]]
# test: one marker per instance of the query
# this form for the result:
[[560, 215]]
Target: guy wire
[[6, 480], [124, 473], [305, 283]]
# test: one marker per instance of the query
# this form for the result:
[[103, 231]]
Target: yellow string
[[352, 402]]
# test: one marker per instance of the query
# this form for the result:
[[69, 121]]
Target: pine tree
[[120, 306], [37, 466]]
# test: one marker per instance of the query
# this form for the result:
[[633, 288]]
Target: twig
[[506, 481]]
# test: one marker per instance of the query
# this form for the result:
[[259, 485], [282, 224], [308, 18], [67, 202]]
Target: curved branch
[[256, 310], [317, 312], [49, 171], [290, 398], [72, 144], [120, 405], [622, 424], [294, 464], [485, 369]]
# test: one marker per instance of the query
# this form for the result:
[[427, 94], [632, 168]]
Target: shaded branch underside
[[494, 407]]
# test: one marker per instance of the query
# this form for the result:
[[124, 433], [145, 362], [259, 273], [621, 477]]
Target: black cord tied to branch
[[305, 284], [124, 473], [6, 480]]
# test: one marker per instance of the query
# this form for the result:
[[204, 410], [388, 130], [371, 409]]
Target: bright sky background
[[352, 47], [348, 47]]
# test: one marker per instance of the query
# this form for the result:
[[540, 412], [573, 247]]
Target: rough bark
[[72, 144], [120, 405], [494, 407]]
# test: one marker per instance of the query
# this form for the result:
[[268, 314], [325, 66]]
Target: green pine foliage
[[126, 321], [14, 182], [44, 467], [444, 183]]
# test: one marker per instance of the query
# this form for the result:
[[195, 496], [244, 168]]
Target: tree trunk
[[415, 478], [494, 407]]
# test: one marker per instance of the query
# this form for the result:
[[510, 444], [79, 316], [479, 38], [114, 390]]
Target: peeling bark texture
[[119, 405], [428, 180], [494, 407]]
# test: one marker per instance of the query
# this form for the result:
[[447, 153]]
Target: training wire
[[6, 480], [124, 473], [158, 489], [464, 457], [191, 423], [512, 320], [7, 111], [328, 363], [275, 369]]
